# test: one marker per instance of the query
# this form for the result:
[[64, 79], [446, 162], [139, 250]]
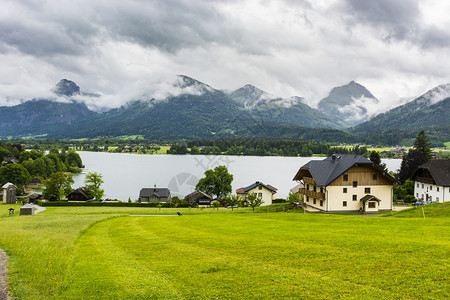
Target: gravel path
[[3, 286]]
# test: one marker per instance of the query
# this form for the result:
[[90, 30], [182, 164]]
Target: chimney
[[333, 157]]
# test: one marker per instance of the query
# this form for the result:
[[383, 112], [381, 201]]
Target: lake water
[[125, 174]]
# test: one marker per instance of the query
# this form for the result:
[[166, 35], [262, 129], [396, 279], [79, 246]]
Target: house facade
[[155, 194], [198, 198], [345, 183], [265, 192], [432, 181]]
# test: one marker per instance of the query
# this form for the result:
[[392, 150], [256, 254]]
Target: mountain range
[[198, 111]]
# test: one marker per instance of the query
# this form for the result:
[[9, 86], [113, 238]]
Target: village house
[[345, 182], [265, 192], [198, 198], [432, 181], [79, 194], [154, 195]]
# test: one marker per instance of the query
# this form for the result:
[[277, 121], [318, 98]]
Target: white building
[[265, 192], [345, 182], [432, 181]]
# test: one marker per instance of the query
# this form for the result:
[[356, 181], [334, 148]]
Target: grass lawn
[[94, 252]]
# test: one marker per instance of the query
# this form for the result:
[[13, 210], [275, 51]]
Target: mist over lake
[[125, 174]]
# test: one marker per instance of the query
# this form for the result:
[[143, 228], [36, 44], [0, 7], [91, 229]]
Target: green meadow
[[104, 253]]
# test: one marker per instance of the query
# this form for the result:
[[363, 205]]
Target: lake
[[125, 174]]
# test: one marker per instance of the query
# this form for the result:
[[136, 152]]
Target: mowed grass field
[[104, 253]]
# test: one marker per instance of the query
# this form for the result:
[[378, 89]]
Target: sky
[[398, 49]]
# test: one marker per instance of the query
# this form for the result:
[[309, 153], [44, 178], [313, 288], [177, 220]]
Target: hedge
[[106, 204]]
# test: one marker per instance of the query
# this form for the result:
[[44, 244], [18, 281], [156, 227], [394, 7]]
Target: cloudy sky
[[122, 49]]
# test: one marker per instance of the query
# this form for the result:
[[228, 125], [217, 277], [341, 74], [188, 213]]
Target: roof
[[439, 170], [159, 192], [369, 198], [296, 188], [245, 190], [197, 195], [81, 191], [326, 171], [7, 185]]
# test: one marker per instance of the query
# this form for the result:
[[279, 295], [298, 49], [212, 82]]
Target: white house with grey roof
[[154, 195], [345, 182], [432, 181], [265, 192]]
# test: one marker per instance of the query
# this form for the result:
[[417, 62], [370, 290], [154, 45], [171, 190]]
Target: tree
[[375, 157], [422, 144], [216, 182], [58, 186], [253, 200], [14, 173], [176, 201], [93, 181], [216, 204], [410, 163], [233, 200], [293, 197]]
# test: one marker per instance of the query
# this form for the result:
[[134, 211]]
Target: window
[[355, 183], [437, 188], [259, 187], [367, 190], [321, 202], [431, 198], [260, 195], [431, 187], [344, 203], [314, 201], [307, 187], [374, 176], [321, 189], [422, 185], [344, 190], [417, 184], [307, 198], [345, 178], [372, 205], [315, 189], [355, 198], [437, 199], [417, 195]]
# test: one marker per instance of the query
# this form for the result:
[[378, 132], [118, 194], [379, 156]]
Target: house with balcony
[[265, 192], [432, 181], [345, 182]]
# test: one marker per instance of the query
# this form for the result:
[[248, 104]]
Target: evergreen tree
[[422, 144], [410, 163]]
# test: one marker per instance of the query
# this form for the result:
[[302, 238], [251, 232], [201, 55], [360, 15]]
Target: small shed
[[33, 197], [79, 194], [198, 197], [27, 210], [9, 193]]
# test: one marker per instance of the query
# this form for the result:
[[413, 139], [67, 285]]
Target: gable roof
[[245, 190], [159, 192], [81, 191], [326, 171], [195, 195], [7, 185], [439, 170]]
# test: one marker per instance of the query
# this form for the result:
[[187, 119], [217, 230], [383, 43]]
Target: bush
[[279, 200], [19, 191], [109, 204]]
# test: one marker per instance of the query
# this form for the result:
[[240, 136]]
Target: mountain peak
[[435, 95], [66, 88]]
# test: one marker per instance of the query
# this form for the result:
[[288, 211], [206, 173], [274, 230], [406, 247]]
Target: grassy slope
[[64, 253]]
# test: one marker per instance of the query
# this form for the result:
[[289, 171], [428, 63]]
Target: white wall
[[437, 193]]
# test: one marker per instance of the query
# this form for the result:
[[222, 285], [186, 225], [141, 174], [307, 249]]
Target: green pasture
[[104, 253]]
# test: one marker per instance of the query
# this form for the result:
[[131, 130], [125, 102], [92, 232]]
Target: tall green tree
[[375, 157], [216, 182], [14, 173], [253, 200], [410, 163], [58, 186], [93, 181], [422, 144]]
